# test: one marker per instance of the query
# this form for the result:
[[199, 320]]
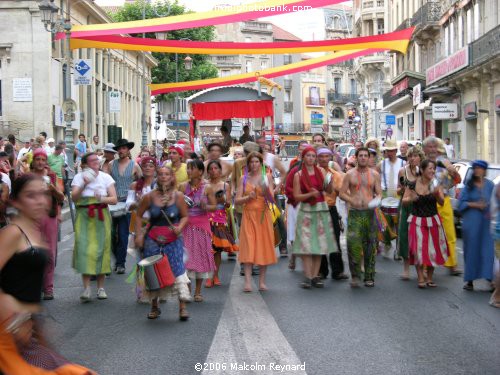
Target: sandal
[[421, 285], [154, 313], [198, 298], [431, 284], [369, 283], [183, 314], [306, 284], [468, 286], [209, 283], [216, 281], [317, 283], [291, 264], [494, 303]]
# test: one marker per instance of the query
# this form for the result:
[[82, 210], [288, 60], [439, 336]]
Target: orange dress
[[256, 232]]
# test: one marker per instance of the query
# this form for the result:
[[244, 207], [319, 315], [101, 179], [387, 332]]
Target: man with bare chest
[[360, 186]]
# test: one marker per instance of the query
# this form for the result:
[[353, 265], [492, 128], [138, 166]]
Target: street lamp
[[362, 100], [188, 65], [49, 11]]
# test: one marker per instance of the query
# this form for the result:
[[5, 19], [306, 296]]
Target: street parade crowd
[[174, 213]]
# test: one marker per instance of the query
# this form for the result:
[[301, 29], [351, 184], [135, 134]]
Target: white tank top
[[269, 160]]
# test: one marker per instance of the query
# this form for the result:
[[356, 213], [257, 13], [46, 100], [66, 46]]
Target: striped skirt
[[314, 233], [92, 251], [427, 244]]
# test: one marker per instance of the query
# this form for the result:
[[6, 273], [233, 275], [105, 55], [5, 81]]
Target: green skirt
[[92, 251], [314, 233], [402, 242]]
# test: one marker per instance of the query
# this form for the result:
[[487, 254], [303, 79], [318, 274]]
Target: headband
[[324, 150], [308, 149], [177, 148], [39, 152]]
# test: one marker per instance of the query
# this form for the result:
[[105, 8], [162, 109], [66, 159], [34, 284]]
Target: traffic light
[[158, 117], [350, 116]]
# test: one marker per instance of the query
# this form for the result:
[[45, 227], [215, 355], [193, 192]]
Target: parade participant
[[403, 151], [314, 235], [26, 148], [4, 198], [374, 144], [318, 140], [254, 194], [109, 156], [336, 262], [361, 186], [49, 224], [227, 141], [388, 169], [330, 142], [176, 154], [22, 264], [407, 178], [197, 233], [276, 166], [450, 150], [94, 146], [92, 191], [238, 152], [214, 153], [281, 149], [495, 296], [372, 161], [124, 171], [292, 204], [219, 196], [5, 169], [49, 149], [448, 177], [426, 238], [80, 149], [143, 154], [57, 163], [474, 207], [138, 189], [245, 137], [168, 219]]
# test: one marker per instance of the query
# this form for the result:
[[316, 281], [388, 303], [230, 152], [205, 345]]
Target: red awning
[[239, 109]]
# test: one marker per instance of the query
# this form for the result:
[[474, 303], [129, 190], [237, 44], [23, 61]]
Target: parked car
[[343, 147], [464, 168], [351, 151]]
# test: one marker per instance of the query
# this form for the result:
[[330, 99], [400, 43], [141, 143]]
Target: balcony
[[315, 102], [288, 107], [226, 61], [404, 25], [287, 84], [257, 27], [369, 4], [293, 128], [426, 20], [341, 98], [486, 47]]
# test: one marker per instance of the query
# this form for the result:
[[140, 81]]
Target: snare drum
[[389, 206], [157, 272], [117, 210]]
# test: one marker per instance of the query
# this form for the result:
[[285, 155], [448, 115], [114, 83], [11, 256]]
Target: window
[[353, 87], [248, 39], [476, 21], [263, 64], [446, 41], [337, 84], [225, 73], [287, 59], [460, 32], [287, 97], [248, 66], [337, 113], [380, 26], [314, 95], [469, 26], [452, 37]]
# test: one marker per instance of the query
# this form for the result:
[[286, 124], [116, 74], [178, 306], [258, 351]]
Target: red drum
[[157, 272], [390, 206]]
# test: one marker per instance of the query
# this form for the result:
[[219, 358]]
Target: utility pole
[[144, 141]]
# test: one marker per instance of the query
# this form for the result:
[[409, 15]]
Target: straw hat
[[390, 144]]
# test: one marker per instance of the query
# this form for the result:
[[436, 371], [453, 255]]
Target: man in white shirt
[[26, 148], [51, 146], [450, 150]]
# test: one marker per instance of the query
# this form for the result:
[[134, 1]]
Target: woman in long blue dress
[[474, 206]]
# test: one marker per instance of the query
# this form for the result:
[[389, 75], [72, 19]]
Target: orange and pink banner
[[329, 59], [221, 15], [396, 41]]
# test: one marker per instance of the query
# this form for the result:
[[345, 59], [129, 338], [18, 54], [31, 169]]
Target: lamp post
[[362, 100], [49, 11], [188, 65]]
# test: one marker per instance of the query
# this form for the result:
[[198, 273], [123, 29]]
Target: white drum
[[118, 210]]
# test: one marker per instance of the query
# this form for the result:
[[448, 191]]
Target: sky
[[306, 25]]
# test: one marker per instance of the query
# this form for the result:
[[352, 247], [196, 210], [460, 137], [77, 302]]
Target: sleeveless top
[[22, 275], [386, 168], [318, 185], [122, 181], [424, 206], [159, 220], [406, 182], [197, 196]]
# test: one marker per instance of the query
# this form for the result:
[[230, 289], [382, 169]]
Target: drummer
[[138, 189], [389, 169]]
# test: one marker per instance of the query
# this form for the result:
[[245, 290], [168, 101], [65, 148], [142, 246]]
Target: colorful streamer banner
[[396, 41], [227, 14], [329, 59]]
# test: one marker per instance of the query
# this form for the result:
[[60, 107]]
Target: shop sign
[[444, 111], [497, 104], [22, 90], [470, 111], [449, 65], [417, 94], [400, 86]]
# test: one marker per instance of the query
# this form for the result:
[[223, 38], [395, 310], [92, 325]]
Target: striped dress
[[426, 237]]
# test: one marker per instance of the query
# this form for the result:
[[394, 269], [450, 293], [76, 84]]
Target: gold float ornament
[[267, 82]]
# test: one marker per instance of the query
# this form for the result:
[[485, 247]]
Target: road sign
[[390, 119], [83, 72]]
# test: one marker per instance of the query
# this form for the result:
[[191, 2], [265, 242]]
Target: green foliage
[[165, 71]]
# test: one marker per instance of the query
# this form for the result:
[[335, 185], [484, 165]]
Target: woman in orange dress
[[256, 232]]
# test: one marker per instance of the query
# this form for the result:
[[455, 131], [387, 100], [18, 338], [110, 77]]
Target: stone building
[[313, 100], [33, 85]]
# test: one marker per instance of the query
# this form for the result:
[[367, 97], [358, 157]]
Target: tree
[[165, 71]]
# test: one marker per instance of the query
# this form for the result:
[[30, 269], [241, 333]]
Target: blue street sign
[[316, 116], [390, 119], [82, 68]]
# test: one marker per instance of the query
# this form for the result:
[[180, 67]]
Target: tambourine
[[189, 202], [328, 180]]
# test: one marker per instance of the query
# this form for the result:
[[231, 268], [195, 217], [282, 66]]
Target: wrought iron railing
[[338, 97], [315, 101], [429, 13], [486, 47]]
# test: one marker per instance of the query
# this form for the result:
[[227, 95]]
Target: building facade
[[33, 84], [313, 97]]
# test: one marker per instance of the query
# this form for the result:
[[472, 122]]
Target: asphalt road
[[393, 328]]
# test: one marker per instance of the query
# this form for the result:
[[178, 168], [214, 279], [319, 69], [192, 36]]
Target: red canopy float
[[229, 102]]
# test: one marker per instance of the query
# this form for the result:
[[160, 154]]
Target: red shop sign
[[400, 86]]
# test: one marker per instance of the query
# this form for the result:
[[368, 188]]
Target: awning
[[397, 103], [424, 105]]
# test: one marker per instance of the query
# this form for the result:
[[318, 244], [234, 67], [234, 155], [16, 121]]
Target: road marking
[[247, 334]]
